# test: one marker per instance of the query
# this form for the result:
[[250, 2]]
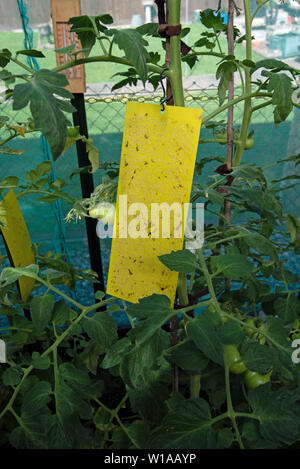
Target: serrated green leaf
[[188, 427], [202, 332], [155, 310], [231, 333], [83, 26], [257, 357], [12, 376], [233, 266], [288, 309], [41, 308], [211, 20], [189, 358], [74, 375], [281, 86], [115, 354], [261, 244], [61, 312], [181, 261], [69, 402], [36, 398], [101, 328], [279, 418], [10, 274], [39, 362], [133, 44], [225, 73], [46, 108], [135, 365]]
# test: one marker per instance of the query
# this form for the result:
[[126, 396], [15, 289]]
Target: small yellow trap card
[[18, 241], [156, 173]]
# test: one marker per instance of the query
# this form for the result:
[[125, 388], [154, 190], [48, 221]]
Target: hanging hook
[[164, 99]]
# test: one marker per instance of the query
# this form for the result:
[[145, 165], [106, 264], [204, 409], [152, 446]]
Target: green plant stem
[[111, 47], [175, 70], [258, 331], [192, 307], [21, 64], [32, 190], [106, 58], [230, 409], [236, 100], [248, 87], [15, 329], [169, 350], [209, 283], [258, 8], [98, 35], [195, 386], [216, 140], [262, 105], [9, 405], [114, 414], [213, 54], [246, 415], [218, 42]]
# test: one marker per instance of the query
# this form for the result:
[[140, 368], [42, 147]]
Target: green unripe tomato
[[250, 322], [249, 143], [253, 379], [234, 360], [105, 212]]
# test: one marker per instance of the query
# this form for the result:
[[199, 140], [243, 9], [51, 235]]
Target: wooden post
[[61, 12]]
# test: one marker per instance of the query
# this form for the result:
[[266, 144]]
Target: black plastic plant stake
[[87, 188]]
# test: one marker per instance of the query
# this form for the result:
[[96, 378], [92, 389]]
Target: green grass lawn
[[99, 73]]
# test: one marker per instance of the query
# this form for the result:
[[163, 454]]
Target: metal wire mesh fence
[[105, 113]]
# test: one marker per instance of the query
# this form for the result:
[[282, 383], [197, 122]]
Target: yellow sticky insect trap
[[157, 166], [18, 241]]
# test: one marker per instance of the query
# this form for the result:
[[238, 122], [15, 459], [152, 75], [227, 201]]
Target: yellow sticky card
[[157, 167], [18, 241]]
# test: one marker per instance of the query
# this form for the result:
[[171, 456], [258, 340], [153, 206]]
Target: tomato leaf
[[181, 261], [30, 53], [186, 427], [101, 328], [133, 44], [46, 108], [257, 357], [233, 266], [278, 415], [281, 86], [202, 332], [41, 308]]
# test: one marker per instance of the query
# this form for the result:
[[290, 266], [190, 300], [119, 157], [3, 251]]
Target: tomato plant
[[224, 378]]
